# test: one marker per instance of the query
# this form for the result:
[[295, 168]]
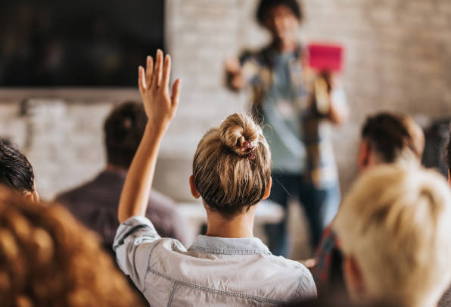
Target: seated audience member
[[394, 229], [95, 203], [446, 299], [232, 174], [48, 259], [16, 172], [386, 138], [390, 138]]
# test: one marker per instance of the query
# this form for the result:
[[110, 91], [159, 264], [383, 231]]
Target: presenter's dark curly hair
[[266, 5]]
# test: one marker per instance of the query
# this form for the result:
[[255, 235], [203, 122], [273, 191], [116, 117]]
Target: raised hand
[[153, 83], [160, 108]]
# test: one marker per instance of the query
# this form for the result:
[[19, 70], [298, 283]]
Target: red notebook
[[325, 57]]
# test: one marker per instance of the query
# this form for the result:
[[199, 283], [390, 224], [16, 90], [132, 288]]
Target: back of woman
[[231, 174]]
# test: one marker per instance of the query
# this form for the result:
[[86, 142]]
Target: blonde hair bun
[[239, 133], [232, 165]]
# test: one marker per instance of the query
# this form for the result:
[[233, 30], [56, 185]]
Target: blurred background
[[397, 58]]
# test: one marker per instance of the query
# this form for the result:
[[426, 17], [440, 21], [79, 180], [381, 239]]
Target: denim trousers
[[320, 207]]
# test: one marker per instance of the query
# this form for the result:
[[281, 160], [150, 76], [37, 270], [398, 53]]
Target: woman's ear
[[364, 156], [449, 178], [192, 185], [33, 196], [268, 189]]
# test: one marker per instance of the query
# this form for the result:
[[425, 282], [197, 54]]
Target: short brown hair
[[124, 129], [390, 134], [229, 178], [48, 259]]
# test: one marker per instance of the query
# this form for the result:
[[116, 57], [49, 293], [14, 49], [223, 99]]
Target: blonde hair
[[48, 259], [396, 223], [232, 165]]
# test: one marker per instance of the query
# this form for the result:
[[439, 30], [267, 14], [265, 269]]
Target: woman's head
[[394, 231], [390, 138], [232, 166], [16, 171], [280, 17], [48, 259]]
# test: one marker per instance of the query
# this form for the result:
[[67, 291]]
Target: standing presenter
[[297, 106]]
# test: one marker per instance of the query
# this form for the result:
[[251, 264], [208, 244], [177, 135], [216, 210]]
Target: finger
[[149, 70], [156, 80], [141, 79], [175, 98], [166, 73]]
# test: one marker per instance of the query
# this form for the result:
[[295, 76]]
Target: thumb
[[175, 98]]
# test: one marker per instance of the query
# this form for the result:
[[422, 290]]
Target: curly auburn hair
[[48, 259]]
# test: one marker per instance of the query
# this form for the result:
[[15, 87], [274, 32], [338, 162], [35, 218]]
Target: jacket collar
[[229, 246]]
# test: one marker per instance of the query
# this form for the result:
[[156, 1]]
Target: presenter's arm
[[339, 110], [160, 107], [338, 114]]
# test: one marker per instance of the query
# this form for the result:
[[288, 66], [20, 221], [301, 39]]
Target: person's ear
[[192, 185], [355, 283], [32, 196], [449, 178], [364, 156], [268, 189]]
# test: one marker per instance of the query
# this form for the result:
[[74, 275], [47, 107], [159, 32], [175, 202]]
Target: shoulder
[[296, 274], [69, 196]]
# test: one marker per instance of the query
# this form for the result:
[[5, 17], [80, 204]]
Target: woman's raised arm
[[160, 108]]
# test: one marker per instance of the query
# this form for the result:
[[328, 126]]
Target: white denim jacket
[[212, 272]]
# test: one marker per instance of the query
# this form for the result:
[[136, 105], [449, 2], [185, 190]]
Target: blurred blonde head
[[394, 228], [48, 259], [232, 166]]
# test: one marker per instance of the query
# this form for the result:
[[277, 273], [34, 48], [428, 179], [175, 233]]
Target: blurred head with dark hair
[[16, 171], [390, 138], [281, 17], [124, 129]]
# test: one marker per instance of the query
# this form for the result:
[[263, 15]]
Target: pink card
[[326, 57]]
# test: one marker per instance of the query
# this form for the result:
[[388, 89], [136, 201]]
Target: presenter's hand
[[234, 74], [153, 82], [338, 109], [331, 80]]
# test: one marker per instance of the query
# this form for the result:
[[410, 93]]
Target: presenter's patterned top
[[313, 146]]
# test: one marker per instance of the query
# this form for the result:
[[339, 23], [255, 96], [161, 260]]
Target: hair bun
[[240, 133]]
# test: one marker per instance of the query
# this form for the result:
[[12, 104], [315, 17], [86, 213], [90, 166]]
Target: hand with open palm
[[153, 83]]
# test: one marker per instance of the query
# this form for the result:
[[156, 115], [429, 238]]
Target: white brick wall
[[398, 54]]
